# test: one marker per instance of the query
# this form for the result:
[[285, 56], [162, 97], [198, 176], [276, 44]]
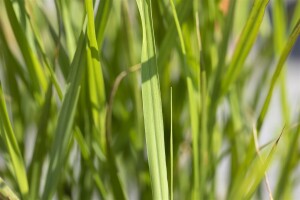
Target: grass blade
[[284, 55], [41, 147], [13, 148], [171, 154], [35, 70], [95, 80], [152, 106], [64, 125], [245, 43]]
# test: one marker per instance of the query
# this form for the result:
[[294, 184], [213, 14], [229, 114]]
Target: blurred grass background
[[86, 108]]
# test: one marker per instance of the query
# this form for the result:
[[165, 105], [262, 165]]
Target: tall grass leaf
[[132, 58], [204, 140], [68, 29], [95, 80], [245, 43], [193, 109], [168, 41], [101, 19], [296, 16], [40, 147], [34, 68], [11, 61], [63, 132], [61, 53], [171, 152], [152, 107], [283, 56], [280, 27], [41, 48], [227, 29], [13, 148]]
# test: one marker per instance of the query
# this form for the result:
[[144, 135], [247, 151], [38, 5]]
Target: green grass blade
[[41, 48], [284, 55], [227, 30], [41, 147], [63, 132], [62, 55], [152, 106], [69, 32], [11, 60], [101, 19], [280, 27], [95, 80], [13, 148], [85, 152], [34, 68], [287, 166], [171, 153], [203, 136], [296, 16], [192, 94], [258, 171], [245, 43]]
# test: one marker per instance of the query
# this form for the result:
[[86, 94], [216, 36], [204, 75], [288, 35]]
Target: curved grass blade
[[245, 43], [152, 106], [13, 148], [284, 55]]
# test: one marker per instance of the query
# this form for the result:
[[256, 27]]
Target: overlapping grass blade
[[283, 56], [193, 112], [152, 107], [95, 80], [35, 70], [13, 148], [86, 154], [280, 27], [68, 29], [245, 43], [41, 147], [97, 99], [41, 48], [223, 48], [101, 19], [63, 132]]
